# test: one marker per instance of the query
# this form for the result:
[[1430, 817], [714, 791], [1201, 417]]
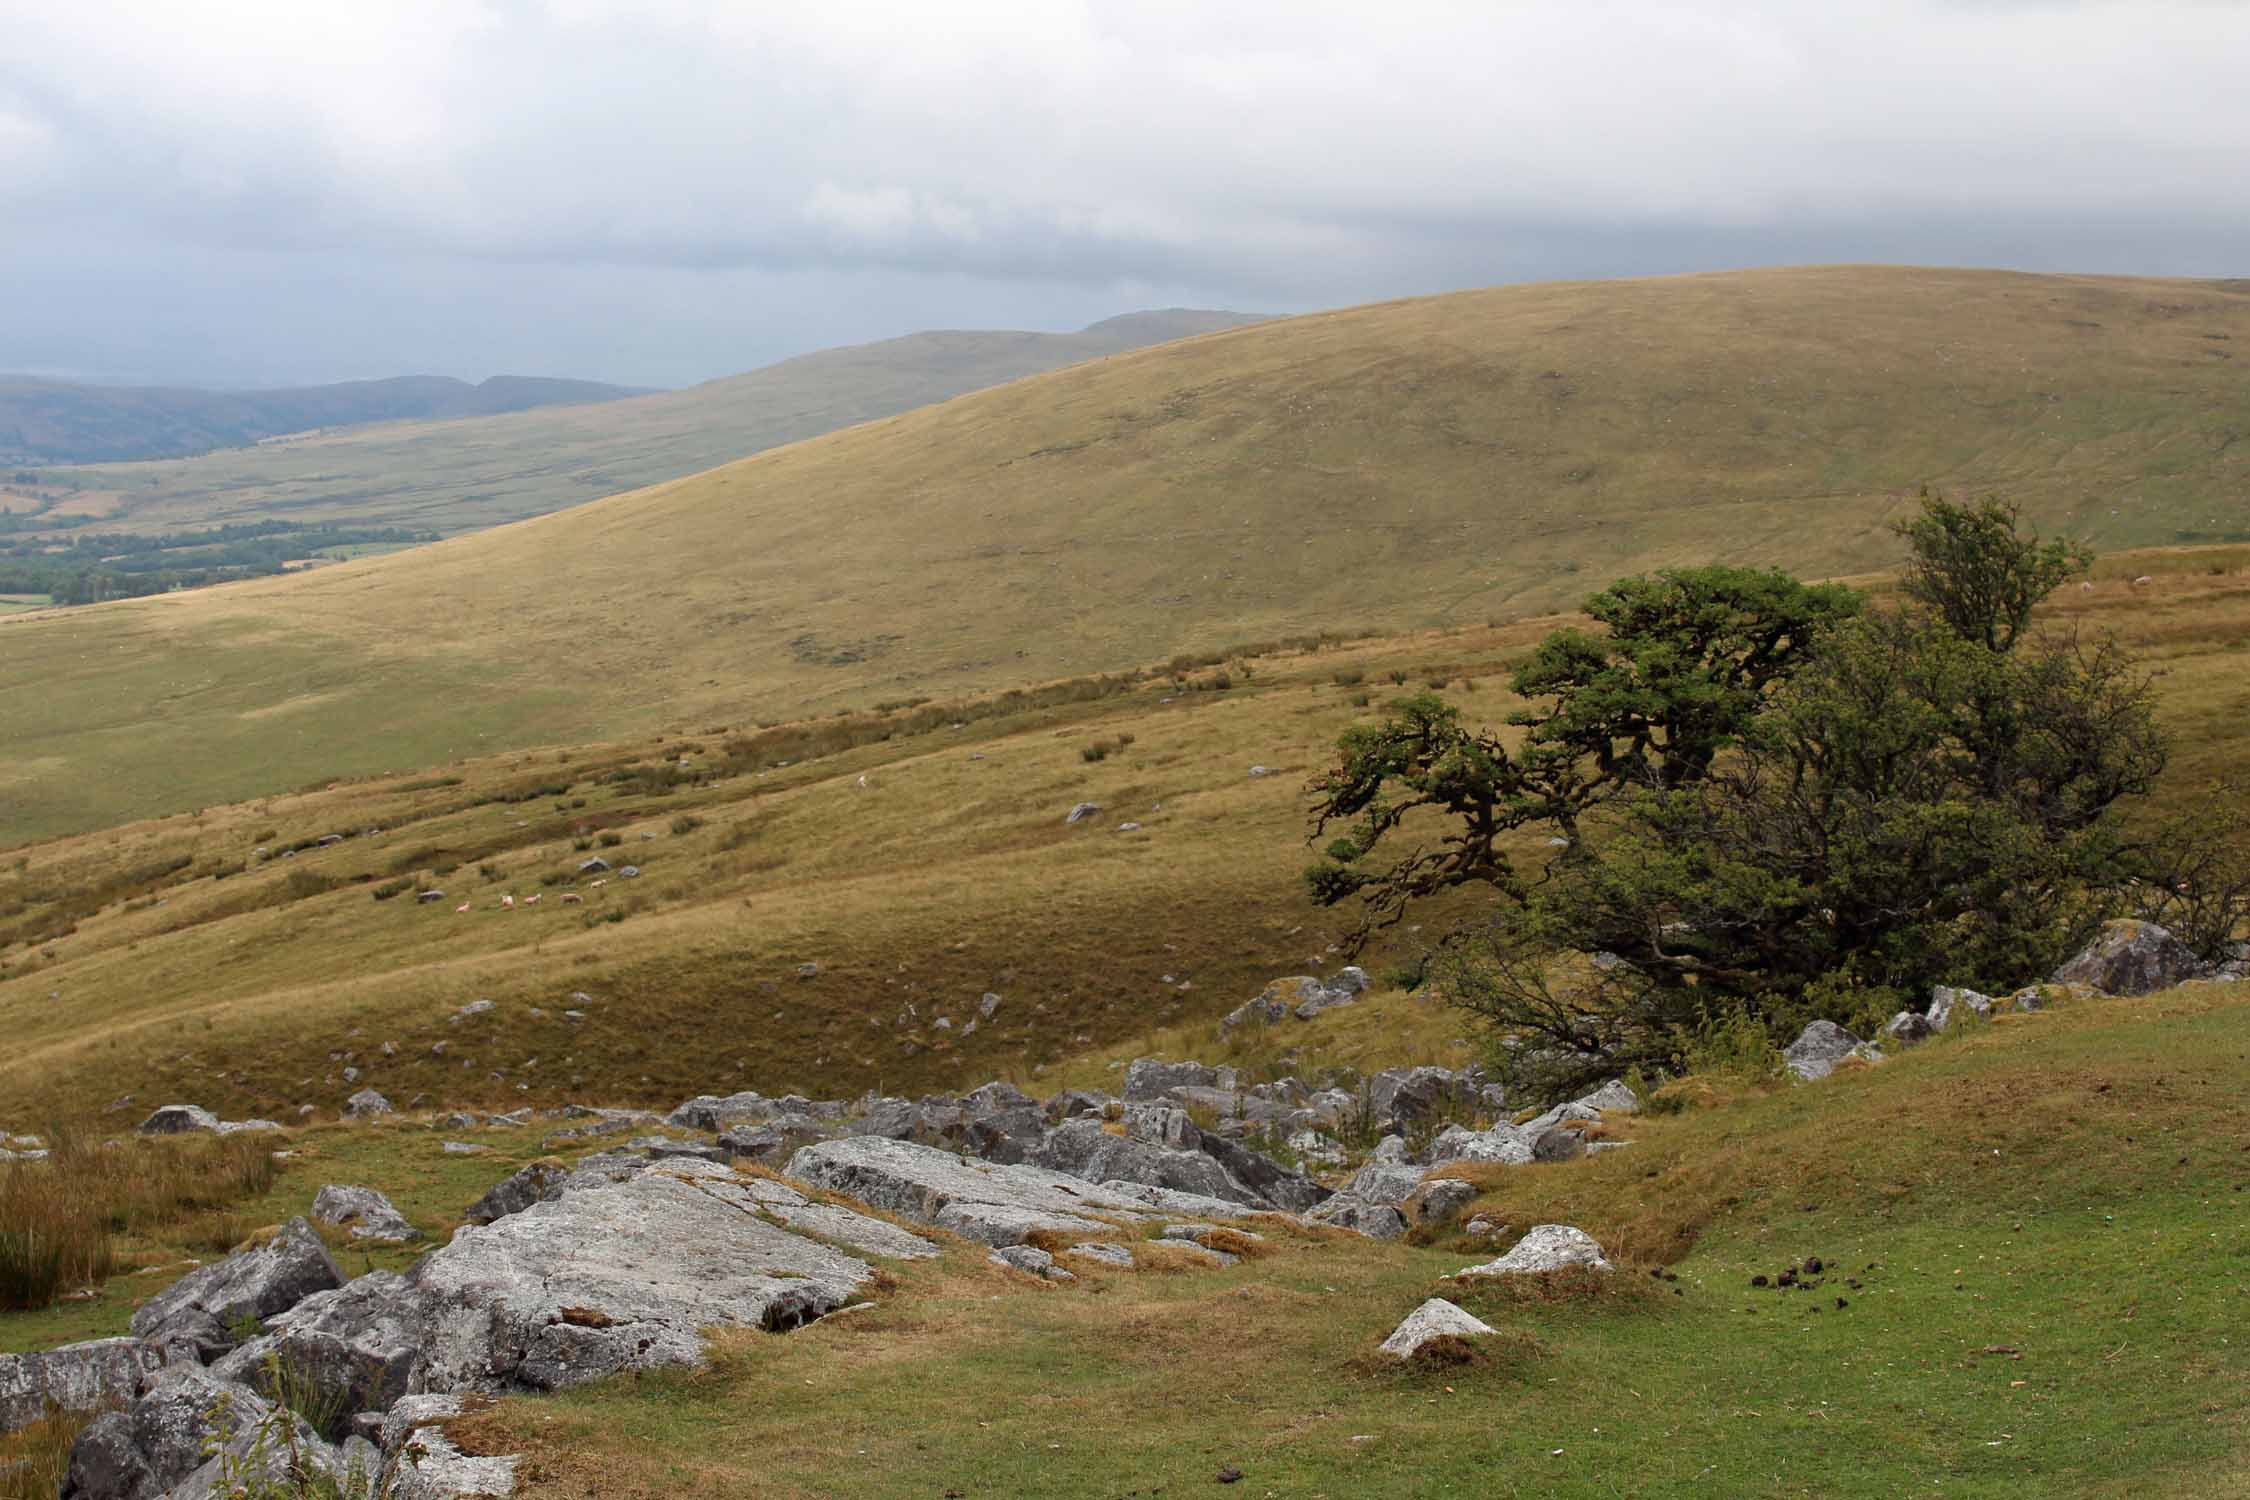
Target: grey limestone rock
[[203, 1309], [1101, 1252], [1558, 1143], [1948, 1004], [367, 1104], [177, 1119], [1612, 1096], [1083, 1149], [1439, 1201], [992, 1203], [1382, 1182], [1502, 1143], [2131, 958], [1817, 1050], [1436, 1318], [1148, 1079], [1547, 1247], [1162, 1125], [1378, 1221], [366, 1213], [1031, 1260], [75, 1378], [518, 1192]]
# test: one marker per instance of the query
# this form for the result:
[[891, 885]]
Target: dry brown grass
[[1437, 461], [59, 1217]]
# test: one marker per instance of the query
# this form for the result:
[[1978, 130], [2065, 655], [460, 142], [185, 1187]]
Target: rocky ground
[[744, 1211]]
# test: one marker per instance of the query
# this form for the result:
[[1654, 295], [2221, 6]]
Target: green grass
[[2067, 1231], [1429, 463], [16, 604]]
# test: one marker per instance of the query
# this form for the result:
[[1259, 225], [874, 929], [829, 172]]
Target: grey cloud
[[1062, 158]]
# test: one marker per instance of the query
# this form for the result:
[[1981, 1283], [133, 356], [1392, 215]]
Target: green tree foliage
[[1777, 803], [1689, 657]]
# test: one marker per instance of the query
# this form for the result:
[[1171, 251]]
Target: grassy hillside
[[451, 476], [60, 422], [915, 873], [1409, 465], [2033, 1252]]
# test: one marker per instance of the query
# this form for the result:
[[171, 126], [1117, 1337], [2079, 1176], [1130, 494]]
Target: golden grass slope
[[917, 873], [1411, 464]]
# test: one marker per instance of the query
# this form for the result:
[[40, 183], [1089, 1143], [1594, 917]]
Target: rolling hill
[[61, 422], [452, 476], [1432, 462]]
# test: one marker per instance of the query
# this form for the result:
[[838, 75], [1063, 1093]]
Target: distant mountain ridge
[[465, 475], [62, 422]]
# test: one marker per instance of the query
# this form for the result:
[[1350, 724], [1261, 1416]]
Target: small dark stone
[[1758, 1280], [1229, 1475]]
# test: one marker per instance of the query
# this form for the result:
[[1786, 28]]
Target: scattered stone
[[2131, 958], [1031, 1260], [1558, 1143], [1147, 1079], [366, 1105], [463, 1148], [178, 1119], [1436, 1318], [365, 1212], [1948, 1004], [1908, 1027], [1547, 1247], [1104, 1253], [1378, 1221], [473, 1008], [1613, 1097], [1818, 1049], [1083, 811]]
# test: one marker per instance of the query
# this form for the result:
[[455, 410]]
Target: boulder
[[992, 1203], [1031, 1260], [355, 1345], [1010, 1134], [1908, 1027], [712, 1113], [2129, 957], [1612, 1096], [1948, 1004], [1547, 1247], [1439, 1201], [1380, 1182], [1817, 1050], [75, 1378], [1102, 1252], [1400, 1096], [1559, 1143], [1162, 1125], [1436, 1318], [1085, 1150], [1266, 1009], [168, 1442], [425, 1464], [1290, 1191], [205, 1310], [366, 1105], [1502, 1143], [1378, 1221], [365, 1212], [518, 1192], [1147, 1079], [177, 1119]]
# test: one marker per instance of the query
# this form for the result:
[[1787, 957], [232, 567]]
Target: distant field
[[11, 604], [1439, 462]]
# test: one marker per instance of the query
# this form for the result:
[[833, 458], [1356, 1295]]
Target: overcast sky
[[660, 191]]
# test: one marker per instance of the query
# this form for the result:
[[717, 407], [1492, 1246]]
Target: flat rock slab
[[991, 1203], [613, 1278]]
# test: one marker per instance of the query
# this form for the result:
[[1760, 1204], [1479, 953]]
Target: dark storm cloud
[[707, 184]]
